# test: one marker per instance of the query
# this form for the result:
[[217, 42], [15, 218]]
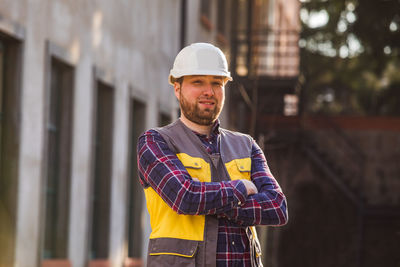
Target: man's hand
[[251, 188]]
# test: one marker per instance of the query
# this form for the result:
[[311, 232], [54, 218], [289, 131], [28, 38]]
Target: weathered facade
[[80, 80]]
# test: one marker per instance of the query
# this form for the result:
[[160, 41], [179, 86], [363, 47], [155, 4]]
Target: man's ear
[[226, 80], [177, 88]]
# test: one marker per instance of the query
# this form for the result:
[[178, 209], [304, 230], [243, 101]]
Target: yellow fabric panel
[[167, 223], [239, 168], [196, 167]]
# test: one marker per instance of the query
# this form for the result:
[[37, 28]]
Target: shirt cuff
[[239, 192]]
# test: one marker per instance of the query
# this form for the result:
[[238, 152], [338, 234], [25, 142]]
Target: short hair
[[177, 80]]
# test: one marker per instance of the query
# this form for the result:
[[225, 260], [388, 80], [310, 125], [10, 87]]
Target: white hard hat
[[200, 59]]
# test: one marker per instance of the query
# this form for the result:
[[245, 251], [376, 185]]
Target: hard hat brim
[[177, 75]]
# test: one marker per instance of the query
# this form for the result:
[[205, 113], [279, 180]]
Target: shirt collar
[[215, 128], [214, 131]]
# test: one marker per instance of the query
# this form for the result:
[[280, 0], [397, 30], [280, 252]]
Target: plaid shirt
[[161, 169]]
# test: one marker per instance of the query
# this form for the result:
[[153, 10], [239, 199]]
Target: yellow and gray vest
[[191, 240]]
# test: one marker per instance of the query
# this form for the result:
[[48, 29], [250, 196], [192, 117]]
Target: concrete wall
[[130, 45]]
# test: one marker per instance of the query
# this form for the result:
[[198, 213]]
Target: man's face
[[201, 97]]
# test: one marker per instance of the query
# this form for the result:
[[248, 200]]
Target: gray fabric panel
[[170, 260], [182, 139], [211, 236], [219, 172], [234, 145], [173, 245]]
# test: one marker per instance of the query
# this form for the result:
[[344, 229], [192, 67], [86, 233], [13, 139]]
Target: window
[[205, 8], [243, 38], [101, 196], [59, 132], [137, 124], [221, 26], [10, 52], [243, 15], [291, 103], [205, 13]]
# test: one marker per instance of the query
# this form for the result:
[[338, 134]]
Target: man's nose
[[208, 89]]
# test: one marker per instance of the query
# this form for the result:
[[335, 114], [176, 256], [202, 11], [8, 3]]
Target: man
[[206, 187]]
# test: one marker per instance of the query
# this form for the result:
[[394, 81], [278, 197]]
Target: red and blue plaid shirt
[[161, 169]]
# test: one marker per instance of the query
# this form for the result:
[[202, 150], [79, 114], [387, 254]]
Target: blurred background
[[316, 83]]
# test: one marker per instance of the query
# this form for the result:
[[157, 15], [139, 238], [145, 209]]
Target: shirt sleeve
[[268, 206], [160, 169]]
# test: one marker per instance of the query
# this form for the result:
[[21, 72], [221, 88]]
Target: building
[[265, 59], [79, 81], [339, 173]]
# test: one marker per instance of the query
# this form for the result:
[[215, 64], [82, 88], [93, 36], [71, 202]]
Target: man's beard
[[202, 117]]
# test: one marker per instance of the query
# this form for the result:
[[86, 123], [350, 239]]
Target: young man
[[206, 187]]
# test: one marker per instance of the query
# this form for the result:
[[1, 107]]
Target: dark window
[[9, 144], [221, 26], [243, 15], [137, 124], [205, 8], [205, 13], [102, 171], [243, 37], [59, 132]]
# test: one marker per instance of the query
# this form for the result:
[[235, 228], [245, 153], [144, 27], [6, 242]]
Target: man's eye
[[217, 84], [197, 82]]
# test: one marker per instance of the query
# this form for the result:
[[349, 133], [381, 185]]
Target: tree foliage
[[351, 63]]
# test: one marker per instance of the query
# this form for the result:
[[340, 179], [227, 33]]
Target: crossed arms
[[161, 169]]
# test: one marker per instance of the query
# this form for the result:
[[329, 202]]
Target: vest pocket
[[239, 169], [197, 167], [243, 165], [172, 252]]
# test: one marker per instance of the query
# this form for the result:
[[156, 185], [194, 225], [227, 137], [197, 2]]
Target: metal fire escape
[[264, 61], [264, 65]]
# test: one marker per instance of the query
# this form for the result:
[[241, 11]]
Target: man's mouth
[[207, 103]]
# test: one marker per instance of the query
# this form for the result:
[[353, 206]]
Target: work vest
[[191, 240]]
